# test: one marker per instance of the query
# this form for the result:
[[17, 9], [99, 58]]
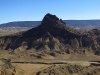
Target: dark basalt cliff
[[53, 35]]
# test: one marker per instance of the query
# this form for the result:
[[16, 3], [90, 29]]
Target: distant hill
[[73, 23], [21, 24], [82, 23]]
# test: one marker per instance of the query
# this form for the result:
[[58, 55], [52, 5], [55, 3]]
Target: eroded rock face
[[7, 67], [52, 35], [70, 70], [10, 69]]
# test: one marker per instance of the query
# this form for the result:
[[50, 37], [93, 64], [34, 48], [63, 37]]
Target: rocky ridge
[[53, 35], [70, 69]]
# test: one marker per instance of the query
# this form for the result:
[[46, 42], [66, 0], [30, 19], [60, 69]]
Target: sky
[[35, 10]]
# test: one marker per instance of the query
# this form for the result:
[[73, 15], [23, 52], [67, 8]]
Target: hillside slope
[[53, 35]]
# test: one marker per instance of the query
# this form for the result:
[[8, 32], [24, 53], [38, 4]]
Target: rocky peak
[[48, 15], [52, 23], [50, 20]]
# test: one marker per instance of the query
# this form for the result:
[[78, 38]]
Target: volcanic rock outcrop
[[53, 35]]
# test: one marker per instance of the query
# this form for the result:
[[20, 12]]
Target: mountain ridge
[[53, 35]]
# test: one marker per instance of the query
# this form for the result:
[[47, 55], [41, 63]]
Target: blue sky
[[34, 10]]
